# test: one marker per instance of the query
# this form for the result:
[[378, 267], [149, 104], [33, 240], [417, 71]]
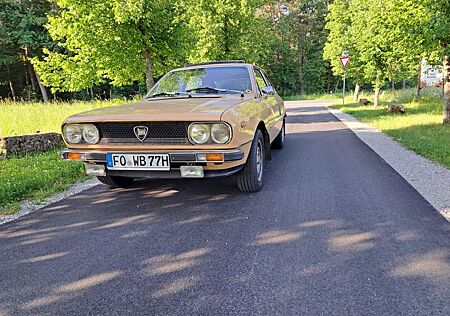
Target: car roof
[[220, 63]]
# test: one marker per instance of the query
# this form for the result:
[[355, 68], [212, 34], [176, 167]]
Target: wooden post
[[356, 95], [419, 78], [446, 109]]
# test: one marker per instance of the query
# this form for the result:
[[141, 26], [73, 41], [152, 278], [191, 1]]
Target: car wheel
[[116, 182], [278, 142], [250, 179]]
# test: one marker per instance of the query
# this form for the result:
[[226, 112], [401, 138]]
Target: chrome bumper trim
[[180, 157]]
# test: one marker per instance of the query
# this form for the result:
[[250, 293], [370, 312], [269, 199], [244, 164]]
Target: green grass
[[326, 96], [20, 118], [36, 177], [40, 175], [420, 129]]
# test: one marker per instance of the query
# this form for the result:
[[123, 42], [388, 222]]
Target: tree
[[426, 25], [23, 34], [110, 40], [221, 29], [307, 26], [8, 51], [340, 38], [372, 29], [438, 39]]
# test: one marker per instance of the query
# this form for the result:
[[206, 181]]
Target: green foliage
[[296, 40], [21, 26], [110, 40], [387, 38], [36, 176]]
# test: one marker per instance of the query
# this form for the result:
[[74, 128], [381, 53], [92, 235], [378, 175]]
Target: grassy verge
[[36, 177], [326, 96], [420, 129], [20, 118]]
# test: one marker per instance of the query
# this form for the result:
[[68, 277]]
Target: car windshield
[[215, 80]]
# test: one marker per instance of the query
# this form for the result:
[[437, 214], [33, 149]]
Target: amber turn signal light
[[214, 157], [74, 156]]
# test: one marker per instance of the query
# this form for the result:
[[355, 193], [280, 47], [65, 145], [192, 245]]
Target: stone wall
[[26, 144]]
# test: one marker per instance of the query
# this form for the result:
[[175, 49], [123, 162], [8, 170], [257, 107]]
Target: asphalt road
[[334, 231]]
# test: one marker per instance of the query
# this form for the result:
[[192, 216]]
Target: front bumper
[[233, 162], [179, 157]]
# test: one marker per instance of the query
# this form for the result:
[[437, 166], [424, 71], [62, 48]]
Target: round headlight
[[199, 133], [90, 134], [72, 133], [220, 133]]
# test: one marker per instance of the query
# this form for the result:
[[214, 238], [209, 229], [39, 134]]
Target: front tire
[[116, 182], [278, 142], [250, 179]]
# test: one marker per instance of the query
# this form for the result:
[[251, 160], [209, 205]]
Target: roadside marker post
[[344, 60]]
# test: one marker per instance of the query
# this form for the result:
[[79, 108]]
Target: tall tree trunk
[[38, 79], [376, 97], [404, 84], [419, 78], [446, 110], [356, 94], [328, 79], [301, 60], [31, 74], [29, 68], [42, 87], [10, 82], [148, 57], [149, 72], [336, 87]]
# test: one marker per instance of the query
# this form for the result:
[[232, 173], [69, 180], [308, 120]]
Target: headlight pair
[[78, 133], [207, 133]]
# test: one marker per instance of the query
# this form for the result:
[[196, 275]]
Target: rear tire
[[250, 178], [278, 142], [116, 182]]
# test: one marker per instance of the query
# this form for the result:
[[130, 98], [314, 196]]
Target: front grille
[[158, 133]]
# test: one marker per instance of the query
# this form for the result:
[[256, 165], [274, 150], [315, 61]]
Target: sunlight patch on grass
[[21, 118]]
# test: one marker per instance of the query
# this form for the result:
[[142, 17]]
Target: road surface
[[334, 231]]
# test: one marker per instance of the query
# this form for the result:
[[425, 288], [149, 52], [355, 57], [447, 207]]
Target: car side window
[[260, 79], [268, 81]]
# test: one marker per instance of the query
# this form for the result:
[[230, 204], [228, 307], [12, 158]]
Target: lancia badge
[[141, 132]]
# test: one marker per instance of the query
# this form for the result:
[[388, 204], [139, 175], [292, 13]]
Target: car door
[[270, 103]]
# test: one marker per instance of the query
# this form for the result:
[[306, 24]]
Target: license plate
[[138, 162]]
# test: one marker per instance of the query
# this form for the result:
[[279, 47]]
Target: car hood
[[163, 109]]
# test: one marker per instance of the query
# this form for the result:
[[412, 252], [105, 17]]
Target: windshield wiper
[[166, 94], [212, 90]]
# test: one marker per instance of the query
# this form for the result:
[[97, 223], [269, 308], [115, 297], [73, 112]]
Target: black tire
[[250, 178], [278, 142], [116, 182]]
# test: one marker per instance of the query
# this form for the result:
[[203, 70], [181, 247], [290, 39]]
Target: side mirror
[[268, 91]]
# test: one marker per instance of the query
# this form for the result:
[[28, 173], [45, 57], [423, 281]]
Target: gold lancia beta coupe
[[205, 120]]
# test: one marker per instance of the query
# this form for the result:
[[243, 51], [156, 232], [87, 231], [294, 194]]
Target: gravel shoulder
[[430, 179]]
